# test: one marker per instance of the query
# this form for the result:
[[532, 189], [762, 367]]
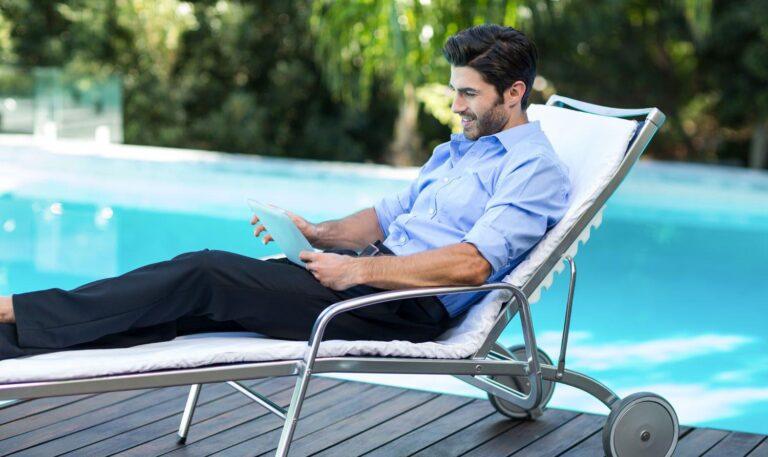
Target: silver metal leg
[[189, 410], [297, 399], [258, 398]]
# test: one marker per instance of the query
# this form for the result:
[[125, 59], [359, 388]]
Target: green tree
[[360, 42], [622, 54], [736, 56], [224, 75], [365, 79], [249, 83]]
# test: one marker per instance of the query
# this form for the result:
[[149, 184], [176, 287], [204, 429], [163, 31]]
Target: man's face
[[481, 108]]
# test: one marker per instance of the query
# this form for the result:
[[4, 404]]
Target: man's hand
[[334, 271], [308, 229]]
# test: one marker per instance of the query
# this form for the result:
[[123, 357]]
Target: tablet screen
[[283, 230]]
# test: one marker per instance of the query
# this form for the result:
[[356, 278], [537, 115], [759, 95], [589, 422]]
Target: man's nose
[[458, 105]]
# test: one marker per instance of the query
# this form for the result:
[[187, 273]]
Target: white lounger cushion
[[591, 146]]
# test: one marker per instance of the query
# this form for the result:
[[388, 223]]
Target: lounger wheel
[[641, 425], [521, 384]]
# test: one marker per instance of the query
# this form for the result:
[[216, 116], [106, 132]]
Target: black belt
[[372, 250], [376, 248], [430, 305]]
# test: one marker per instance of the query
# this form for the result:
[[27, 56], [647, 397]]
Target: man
[[478, 206]]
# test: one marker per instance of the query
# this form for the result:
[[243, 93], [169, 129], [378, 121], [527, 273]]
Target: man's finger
[[268, 238], [308, 256], [254, 219], [258, 230]]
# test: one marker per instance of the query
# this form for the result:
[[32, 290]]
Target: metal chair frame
[[489, 360]]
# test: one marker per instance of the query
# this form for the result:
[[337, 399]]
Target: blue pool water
[[671, 295]]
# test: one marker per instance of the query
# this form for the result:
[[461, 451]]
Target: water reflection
[[62, 244], [589, 354], [66, 240], [678, 313]]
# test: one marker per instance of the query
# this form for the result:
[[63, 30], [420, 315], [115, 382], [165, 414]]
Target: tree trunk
[[406, 142], [758, 153]]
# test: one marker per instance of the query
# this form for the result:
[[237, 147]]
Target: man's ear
[[514, 94]]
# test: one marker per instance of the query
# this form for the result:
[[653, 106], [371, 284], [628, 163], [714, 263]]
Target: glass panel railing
[[54, 103]]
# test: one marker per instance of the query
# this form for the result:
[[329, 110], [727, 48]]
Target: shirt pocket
[[462, 200]]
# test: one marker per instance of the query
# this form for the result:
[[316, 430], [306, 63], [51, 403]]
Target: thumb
[[298, 220], [307, 256]]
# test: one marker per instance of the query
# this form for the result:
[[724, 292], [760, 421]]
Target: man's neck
[[515, 120]]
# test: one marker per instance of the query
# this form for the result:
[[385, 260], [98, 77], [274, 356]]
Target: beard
[[487, 123]]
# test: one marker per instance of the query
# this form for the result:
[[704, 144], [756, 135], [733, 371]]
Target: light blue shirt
[[500, 192]]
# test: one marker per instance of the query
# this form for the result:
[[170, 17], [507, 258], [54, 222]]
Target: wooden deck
[[339, 418]]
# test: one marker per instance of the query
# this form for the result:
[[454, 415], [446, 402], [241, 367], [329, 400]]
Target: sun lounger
[[598, 144]]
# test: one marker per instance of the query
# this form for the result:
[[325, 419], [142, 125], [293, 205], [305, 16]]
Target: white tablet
[[283, 230]]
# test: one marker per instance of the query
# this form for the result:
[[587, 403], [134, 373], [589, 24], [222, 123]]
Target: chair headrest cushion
[[592, 147]]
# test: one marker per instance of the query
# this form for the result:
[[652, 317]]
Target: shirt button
[[431, 211], [402, 239], [445, 179]]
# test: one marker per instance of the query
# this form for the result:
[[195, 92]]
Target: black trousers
[[205, 291]]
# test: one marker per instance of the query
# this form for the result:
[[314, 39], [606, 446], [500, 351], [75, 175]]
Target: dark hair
[[502, 55]]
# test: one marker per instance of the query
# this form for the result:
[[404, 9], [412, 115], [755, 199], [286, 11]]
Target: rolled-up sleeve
[[391, 206], [527, 201]]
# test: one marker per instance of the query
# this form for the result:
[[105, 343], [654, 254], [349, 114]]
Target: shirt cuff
[[384, 216], [491, 244]]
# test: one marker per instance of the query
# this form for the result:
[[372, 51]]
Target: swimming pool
[[671, 294]]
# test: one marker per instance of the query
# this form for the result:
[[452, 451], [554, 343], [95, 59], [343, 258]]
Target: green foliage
[[330, 79], [230, 76], [399, 42], [437, 99], [687, 57], [620, 54], [736, 56]]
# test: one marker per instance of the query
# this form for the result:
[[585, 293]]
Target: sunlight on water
[[670, 297]]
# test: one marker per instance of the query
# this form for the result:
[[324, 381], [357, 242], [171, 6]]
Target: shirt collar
[[508, 138]]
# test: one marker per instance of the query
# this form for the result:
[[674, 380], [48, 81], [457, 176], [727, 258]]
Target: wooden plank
[[95, 417], [684, 431], [201, 421], [212, 421], [535, 437], [761, 450], [358, 423], [593, 446], [392, 429], [62, 421], [69, 411], [218, 397], [338, 418], [736, 444], [559, 439], [28, 408], [263, 432], [470, 437], [316, 418], [418, 439], [126, 417], [698, 442]]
